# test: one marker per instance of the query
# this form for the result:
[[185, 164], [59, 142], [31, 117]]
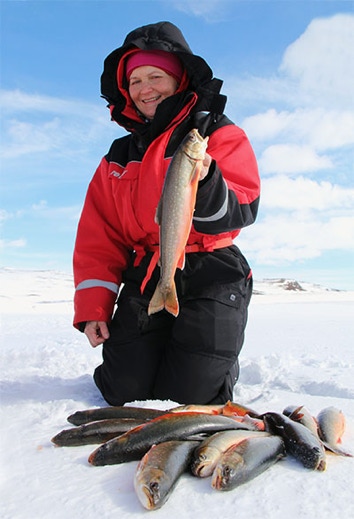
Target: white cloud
[[320, 128], [299, 220], [210, 10], [287, 238], [316, 71], [303, 194], [27, 137], [64, 214], [305, 119], [4, 215], [13, 244], [321, 60], [12, 101], [291, 158], [35, 124]]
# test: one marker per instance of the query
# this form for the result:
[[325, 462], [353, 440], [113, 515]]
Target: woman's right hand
[[96, 332]]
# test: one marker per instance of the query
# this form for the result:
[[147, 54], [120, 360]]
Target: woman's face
[[148, 86]]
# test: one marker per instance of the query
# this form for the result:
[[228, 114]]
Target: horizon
[[287, 76]]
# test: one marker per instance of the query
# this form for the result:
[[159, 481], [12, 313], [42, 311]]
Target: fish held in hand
[[133, 444], [298, 439], [331, 427], [246, 460], [174, 216], [159, 470]]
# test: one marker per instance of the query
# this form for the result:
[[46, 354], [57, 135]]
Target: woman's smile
[[148, 86]]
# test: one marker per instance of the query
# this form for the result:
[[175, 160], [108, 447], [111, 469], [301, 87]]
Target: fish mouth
[[321, 466], [217, 482], [202, 470], [150, 495], [222, 477]]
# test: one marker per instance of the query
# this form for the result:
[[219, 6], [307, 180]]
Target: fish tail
[[164, 299], [335, 450], [171, 301]]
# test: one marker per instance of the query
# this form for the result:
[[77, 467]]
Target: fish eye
[[227, 471], [155, 490]]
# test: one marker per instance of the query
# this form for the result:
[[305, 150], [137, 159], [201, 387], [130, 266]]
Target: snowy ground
[[298, 350]]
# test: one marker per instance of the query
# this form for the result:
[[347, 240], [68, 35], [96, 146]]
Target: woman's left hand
[[205, 168]]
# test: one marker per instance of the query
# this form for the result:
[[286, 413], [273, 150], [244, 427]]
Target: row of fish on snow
[[231, 443]]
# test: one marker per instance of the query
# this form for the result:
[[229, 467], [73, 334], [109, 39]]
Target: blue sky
[[288, 71]]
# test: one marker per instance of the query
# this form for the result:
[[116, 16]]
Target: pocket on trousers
[[213, 322]]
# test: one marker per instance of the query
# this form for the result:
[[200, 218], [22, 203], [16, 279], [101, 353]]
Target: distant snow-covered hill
[[51, 291]]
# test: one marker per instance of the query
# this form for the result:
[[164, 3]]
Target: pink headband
[[166, 61]]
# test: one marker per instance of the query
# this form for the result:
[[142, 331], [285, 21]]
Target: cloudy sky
[[288, 71]]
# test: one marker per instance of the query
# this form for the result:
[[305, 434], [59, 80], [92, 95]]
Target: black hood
[[162, 36]]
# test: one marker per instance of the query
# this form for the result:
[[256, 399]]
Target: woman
[[158, 91]]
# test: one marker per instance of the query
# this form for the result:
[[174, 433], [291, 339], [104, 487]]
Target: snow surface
[[298, 350]]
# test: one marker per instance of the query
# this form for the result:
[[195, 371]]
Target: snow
[[298, 350]]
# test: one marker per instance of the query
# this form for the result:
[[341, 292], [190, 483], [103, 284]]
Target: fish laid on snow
[[174, 216], [246, 460], [302, 415], [236, 409], [133, 444], [209, 451], [228, 409], [95, 432], [207, 409], [104, 413], [331, 427], [299, 440], [159, 470]]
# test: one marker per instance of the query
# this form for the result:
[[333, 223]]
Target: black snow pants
[[191, 358]]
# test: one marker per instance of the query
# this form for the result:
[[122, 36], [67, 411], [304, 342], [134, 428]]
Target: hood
[[198, 77]]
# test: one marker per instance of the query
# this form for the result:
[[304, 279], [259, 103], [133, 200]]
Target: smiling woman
[[159, 91], [148, 87], [153, 76]]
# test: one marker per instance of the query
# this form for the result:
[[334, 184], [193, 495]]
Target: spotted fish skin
[[133, 444], [331, 427], [99, 431], [159, 470], [174, 216], [208, 453], [110, 412], [243, 462], [298, 439]]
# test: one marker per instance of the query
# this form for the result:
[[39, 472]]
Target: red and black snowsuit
[[191, 358]]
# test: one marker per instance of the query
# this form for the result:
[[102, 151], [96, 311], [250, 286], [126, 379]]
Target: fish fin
[[296, 414], [171, 301], [336, 450], [158, 214], [161, 300], [196, 173], [181, 261], [157, 302]]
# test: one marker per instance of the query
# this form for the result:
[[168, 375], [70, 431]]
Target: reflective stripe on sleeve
[[219, 214], [93, 283]]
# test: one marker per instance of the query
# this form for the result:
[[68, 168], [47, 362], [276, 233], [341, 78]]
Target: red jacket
[[120, 205]]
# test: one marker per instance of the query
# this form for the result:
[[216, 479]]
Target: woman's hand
[[205, 168], [96, 332]]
